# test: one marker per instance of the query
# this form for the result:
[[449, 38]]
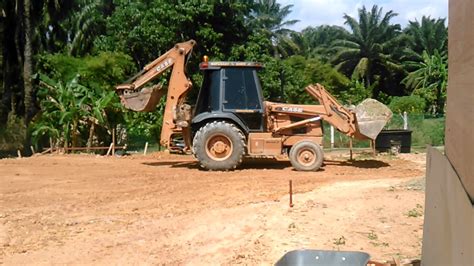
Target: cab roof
[[223, 64]]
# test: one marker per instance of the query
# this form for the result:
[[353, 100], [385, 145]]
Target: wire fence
[[425, 130]]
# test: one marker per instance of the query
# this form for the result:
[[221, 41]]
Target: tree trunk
[[91, 136], [28, 63], [10, 66], [439, 100]]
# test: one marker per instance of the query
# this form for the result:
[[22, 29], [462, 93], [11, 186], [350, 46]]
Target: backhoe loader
[[231, 120]]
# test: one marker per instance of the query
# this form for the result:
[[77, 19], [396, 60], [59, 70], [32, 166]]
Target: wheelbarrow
[[310, 257]]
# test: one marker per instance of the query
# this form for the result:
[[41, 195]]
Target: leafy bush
[[356, 93], [77, 99], [102, 71], [12, 134], [300, 72], [411, 104]]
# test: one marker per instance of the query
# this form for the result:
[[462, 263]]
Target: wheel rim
[[219, 147], [306, 157]]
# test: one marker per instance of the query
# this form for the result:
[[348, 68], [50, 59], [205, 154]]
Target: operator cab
[[232, 89]]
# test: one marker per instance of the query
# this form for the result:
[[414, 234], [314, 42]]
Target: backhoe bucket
[[144, 100], [372, 116]]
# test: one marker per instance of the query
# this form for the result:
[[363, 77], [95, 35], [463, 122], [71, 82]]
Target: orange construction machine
[[231, 119]]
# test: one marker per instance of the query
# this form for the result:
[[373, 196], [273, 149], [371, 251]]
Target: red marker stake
[[291, 194]]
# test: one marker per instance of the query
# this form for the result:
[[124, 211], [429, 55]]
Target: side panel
[[292, 140], [264, 144]]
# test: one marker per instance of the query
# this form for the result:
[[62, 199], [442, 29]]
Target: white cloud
[[319, 12]]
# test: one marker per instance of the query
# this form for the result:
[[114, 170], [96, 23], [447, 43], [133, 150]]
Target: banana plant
[[61, 110]]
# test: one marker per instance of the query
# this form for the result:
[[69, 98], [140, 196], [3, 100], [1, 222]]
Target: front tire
[[219, 145], [306, 156]]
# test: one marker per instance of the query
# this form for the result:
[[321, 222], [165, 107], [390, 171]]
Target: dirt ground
[[162, 209]]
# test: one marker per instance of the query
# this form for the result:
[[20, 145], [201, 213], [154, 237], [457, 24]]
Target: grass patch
[[339, 241], [416, 212]]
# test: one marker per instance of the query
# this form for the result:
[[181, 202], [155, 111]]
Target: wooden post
[[146, 148], [350, 149], [113, 141], [110, 149], [32, 149], [19, 153], [332, 137], [372, 144], [291, 194], [51, 145]]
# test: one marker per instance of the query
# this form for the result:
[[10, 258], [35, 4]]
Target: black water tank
[[394, 137]]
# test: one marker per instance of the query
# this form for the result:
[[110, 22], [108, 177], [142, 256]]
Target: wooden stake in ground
[[19, 153], [374, 152], [146, 148], [350, 149], [46, 151], [113, 141], [32, 149], [110, 149], [291, 193]]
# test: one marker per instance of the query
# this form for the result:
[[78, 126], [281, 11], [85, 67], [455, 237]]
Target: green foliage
[[415, 212], [428, 36], [356, 93], [77, 100], [316, 42], [72, 114], [268, 17], [367, 52], [430, 80], [300, 72], [425, 130], [146, 29], [102, 71], [12, 134], [145, 126], [411, 104]]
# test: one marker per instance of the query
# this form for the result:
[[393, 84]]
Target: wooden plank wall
[[460, 103]]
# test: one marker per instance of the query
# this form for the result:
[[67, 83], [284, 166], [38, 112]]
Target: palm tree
[[28, 61], [429, 35], [316, 42], [367, 51], [269, 17], [87, 23]]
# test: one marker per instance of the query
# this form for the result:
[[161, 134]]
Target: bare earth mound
[[162, 208]]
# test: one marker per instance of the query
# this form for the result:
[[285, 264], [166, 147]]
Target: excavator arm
[[177, 115]]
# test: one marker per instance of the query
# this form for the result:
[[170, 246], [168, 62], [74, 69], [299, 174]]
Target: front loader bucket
[[372, 116], [144, 100]]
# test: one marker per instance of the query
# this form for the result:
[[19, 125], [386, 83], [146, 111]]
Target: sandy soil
[[163, 209]]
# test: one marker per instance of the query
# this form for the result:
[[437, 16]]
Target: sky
[[319, 12]]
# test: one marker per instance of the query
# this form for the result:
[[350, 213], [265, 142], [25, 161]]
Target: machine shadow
[[175, 164], [247, 164], [367, 164], [260, 163]]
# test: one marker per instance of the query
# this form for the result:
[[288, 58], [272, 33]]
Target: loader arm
[[330, 110], [177, 115], [334, 113]]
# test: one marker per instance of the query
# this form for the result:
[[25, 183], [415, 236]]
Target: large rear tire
[[306, 156], [219, 145]]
